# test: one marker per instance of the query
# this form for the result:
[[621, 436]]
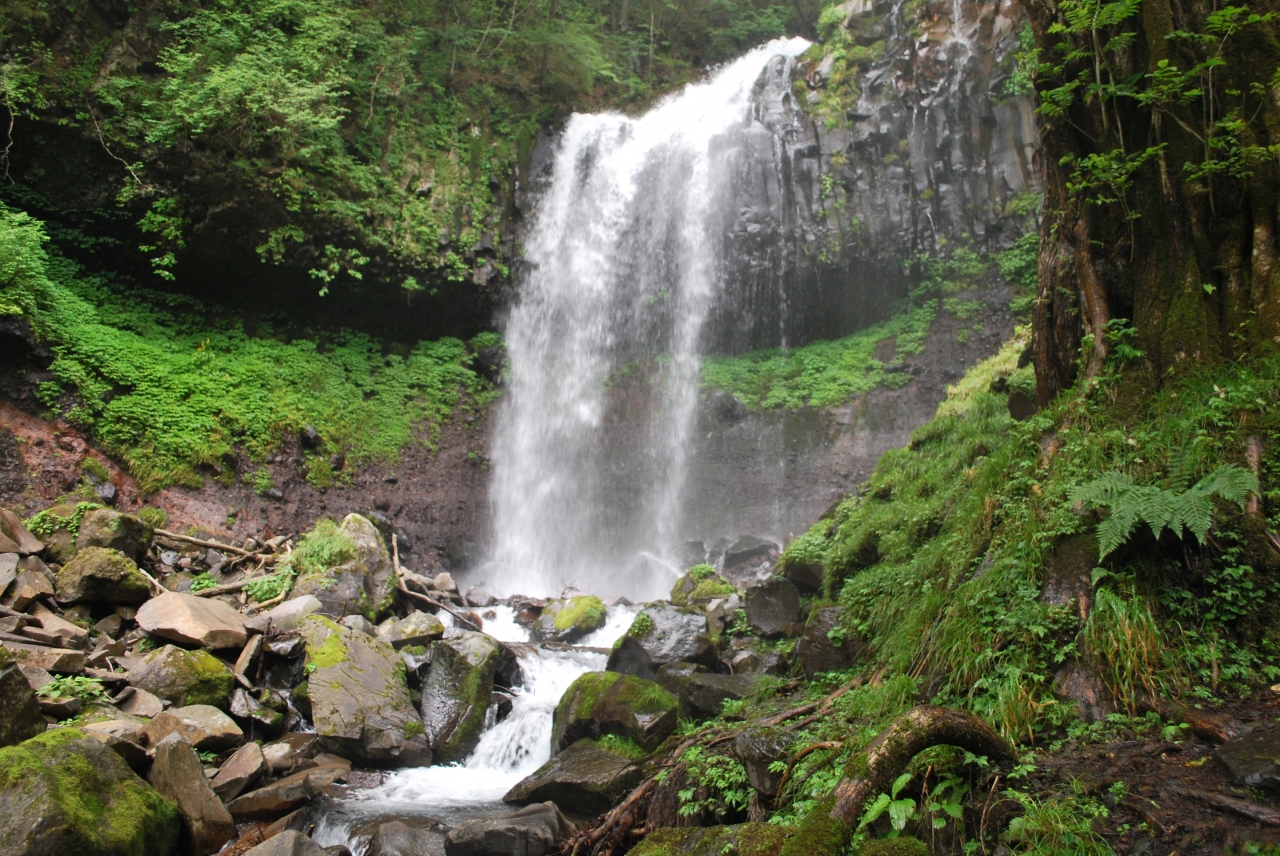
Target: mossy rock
[[745, 839], [101, 575], [358, 697], [347, 567], [184, 677], [587, 778], [64, 792], [456, 693], [893, 847], [105, 527], [600, 703], [701, 585], [571, 619]]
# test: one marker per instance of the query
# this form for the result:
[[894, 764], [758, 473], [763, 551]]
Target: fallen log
[[395, 562], [215, 545], [1259, 813]]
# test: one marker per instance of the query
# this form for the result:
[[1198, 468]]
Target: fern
[[1179, 511]]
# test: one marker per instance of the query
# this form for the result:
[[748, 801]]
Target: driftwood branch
[[214, 545], [916, 730], [395, 562]]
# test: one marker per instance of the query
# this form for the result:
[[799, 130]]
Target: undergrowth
[[942, 562], [175, 390]]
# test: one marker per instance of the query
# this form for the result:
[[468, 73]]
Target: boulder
[[359, 700], [125, 738], [203, 726], [662, 634], [139, 702], [746, 839], [456, 693], [28, 587], [66, 634], [15, 537], [101, 575], [364, 583], [20, 717], [397, 838], [183, 677], [673, 676], [240, 771], [773, 608], [263, 710], [285, 618], [701, 585], [751, 656], [703, 696], [283, 796], [534, 830], [806, 575], [288, 843], [63, 661], [600, 703], [419, 628], [193, 620], [63, 792], [8, 570], [1254, 759], [757, 749], [112, 530], [585, 778], [570, 619], [177, 775], [359, 622], [824, 646], [59, 538]]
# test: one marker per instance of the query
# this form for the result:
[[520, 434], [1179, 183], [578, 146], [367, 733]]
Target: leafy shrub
[[73, 686]]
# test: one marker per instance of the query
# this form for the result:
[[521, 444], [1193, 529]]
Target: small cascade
[[508, 750], [625, 267]]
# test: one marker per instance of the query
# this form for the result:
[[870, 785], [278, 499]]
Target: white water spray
[[624, 270]]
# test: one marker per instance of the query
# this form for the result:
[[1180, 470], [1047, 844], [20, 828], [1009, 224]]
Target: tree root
[[916, 730]]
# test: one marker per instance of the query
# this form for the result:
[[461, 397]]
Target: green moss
[[747, 839], [623, 746], [641, 627], [156, 518], [893, 847], [94, 468], [413, 728], [333, 651], [584, 611], [212, 679], [61, 517], [104, 808]]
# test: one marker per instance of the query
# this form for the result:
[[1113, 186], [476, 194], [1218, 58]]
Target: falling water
[[624, 270]]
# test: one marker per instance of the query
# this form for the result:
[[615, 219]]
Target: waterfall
[[624, 268]]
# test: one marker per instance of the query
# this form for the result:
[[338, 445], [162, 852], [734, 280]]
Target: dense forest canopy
[[337, 135]]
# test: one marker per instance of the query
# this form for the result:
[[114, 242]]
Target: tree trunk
[[1188, 259]]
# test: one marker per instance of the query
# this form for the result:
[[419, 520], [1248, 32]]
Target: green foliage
[[203, 581], [641, 626], [1058, 827], [95, 469], [389, 127], [44, 523], [900, 810], [624, 746], [174, 394], [719, 782], [1124, 640], [73, 686], [1161, 508]]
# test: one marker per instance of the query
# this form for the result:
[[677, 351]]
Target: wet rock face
[[921, 148], [457, 692], [65, 793], [184, 677], [773, 608], [359, 701], [663, 634], [823, 647], [585, 778], [1254, 760], [363, 585], [535, 830]]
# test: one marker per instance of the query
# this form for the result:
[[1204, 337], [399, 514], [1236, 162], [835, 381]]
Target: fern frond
[[1231, 483]]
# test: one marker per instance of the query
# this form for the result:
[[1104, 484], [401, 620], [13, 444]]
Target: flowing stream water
[[624, 270]]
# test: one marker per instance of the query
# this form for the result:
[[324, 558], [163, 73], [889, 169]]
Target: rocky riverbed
[[173, 692]]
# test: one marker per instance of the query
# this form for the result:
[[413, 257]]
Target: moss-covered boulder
[[347, 567], [359, 699], [745, 839], [101, 575], [184, 677], [105, 527], [570, 619], [456, 693], [892, 847], [586, 778], [703, 696], [63, 792], [664, 633], [601, 703], [20, 717], [700, 586]]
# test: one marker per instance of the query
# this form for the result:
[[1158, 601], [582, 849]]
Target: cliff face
[[893, 139]]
